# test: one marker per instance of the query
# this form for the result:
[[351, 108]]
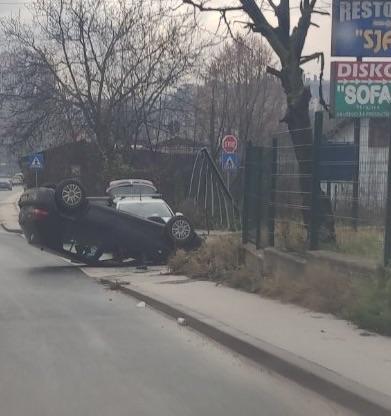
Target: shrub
[[219, 260]]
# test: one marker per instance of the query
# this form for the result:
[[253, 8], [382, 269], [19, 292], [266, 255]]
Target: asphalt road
[[70, 347]]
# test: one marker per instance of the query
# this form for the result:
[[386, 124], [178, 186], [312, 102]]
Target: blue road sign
[[36, 161], [229, 161]]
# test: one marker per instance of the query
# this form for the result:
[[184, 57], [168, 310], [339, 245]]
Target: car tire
[[180, 231], [70, 195]]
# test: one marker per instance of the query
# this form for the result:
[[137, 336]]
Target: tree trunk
[[299, 124]]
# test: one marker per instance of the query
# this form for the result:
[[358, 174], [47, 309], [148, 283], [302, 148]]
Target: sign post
[[36, 162], [229, 157]]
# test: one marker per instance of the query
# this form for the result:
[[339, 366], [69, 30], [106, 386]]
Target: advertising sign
[[361, 28], [361, 89]]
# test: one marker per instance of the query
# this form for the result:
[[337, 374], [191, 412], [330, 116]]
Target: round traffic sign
[[229, 144]]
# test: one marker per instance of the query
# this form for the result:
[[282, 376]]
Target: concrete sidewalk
[[321, 343], [9, 211]]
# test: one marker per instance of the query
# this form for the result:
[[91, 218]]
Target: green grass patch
[[365, 242], [371, 306]]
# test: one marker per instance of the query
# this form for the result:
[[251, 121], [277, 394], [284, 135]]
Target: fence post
[[387, 228], [258, 196], [315, 188], [356, 176], [246, 186], [272, 205]]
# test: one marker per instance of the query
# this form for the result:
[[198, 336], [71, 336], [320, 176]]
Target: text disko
[[364, 70], [361, 89]]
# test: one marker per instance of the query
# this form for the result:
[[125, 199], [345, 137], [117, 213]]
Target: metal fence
[[324, 195]]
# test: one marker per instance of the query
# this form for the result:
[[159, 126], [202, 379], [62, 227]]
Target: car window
[[146, 209], [133, 190]]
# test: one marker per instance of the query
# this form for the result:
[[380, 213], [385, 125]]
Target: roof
[[179, 141]]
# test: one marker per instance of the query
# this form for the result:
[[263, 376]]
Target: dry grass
[[366, 241], [291, 236], [321, 291], [220, 260], [365, 301]]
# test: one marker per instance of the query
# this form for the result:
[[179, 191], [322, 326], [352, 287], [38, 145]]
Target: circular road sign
[[229, 144]]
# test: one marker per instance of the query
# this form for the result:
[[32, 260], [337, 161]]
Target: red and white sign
[[229, 144]]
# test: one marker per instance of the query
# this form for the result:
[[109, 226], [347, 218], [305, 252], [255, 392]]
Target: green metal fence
[[328, 195]]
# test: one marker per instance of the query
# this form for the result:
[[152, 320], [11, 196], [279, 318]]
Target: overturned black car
[[61, 219]]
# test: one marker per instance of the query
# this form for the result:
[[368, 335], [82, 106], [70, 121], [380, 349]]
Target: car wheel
[[70, 195], [180, 231]]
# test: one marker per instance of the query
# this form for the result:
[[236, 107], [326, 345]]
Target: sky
[[318, 39]]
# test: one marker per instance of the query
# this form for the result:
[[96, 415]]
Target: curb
[[11, 230], [351, 395]]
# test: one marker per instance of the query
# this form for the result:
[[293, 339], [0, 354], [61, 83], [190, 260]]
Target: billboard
[[361, 28], [361, 89]]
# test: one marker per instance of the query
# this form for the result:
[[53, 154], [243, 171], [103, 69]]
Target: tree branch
[[203, 8], [273, 71]]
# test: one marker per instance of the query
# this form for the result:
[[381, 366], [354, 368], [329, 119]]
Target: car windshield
[[133, 190], [146, 209]]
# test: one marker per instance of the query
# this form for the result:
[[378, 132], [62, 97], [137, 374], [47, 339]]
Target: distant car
[[131, 187], [5, 183], [17, 180], [96, 231]]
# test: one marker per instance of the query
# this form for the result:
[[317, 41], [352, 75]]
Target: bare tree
[[237, 94], [233, 93], [105, 57], [31, 114], [287, 41]]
